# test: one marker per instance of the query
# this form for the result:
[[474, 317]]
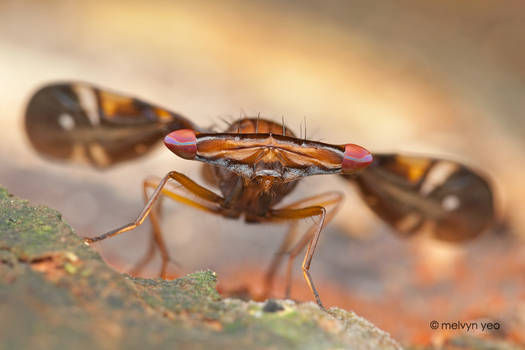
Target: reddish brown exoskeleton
[[255, 163]]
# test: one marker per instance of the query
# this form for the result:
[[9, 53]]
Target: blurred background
[[440, 78]]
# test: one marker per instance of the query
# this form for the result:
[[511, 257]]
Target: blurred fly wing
[[415, 194], [80, 122]]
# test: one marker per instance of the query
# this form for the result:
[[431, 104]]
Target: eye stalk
[[182, 142], [355, 158]]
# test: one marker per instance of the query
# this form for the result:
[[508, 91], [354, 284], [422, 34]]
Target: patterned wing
[[415, 194], [80, 122]]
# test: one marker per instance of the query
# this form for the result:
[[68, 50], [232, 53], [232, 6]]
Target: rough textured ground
[[56, 293]]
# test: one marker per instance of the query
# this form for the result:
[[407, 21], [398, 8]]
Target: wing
[[80, 122], [413, 194]]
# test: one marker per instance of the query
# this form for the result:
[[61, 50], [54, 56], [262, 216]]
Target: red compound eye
[[182, 142], [355, 158]]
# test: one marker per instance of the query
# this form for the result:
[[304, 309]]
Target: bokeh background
[[445, 78]]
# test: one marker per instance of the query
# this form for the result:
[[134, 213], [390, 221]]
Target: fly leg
[[277, 259], [156, 239], [204, 199], [146, 259], [331, 202], [308, 208]]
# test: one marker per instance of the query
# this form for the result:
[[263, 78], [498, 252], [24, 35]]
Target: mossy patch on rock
[[56, 293]]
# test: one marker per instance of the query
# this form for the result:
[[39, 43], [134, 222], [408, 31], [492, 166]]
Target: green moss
[[3, 193], [70, 268], [290, 326], [32, 231], [234, 327]]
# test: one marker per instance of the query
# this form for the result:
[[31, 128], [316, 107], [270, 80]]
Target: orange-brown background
[[442, 77]]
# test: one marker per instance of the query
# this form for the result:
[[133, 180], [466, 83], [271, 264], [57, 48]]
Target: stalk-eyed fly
[[255, 163]]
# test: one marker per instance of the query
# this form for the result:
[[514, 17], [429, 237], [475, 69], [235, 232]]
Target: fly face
[[268, 167]]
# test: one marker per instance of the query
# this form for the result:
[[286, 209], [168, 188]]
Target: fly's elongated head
[[254, 155]]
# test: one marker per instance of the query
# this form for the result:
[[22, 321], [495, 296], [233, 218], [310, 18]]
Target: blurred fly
[[255, 163]]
